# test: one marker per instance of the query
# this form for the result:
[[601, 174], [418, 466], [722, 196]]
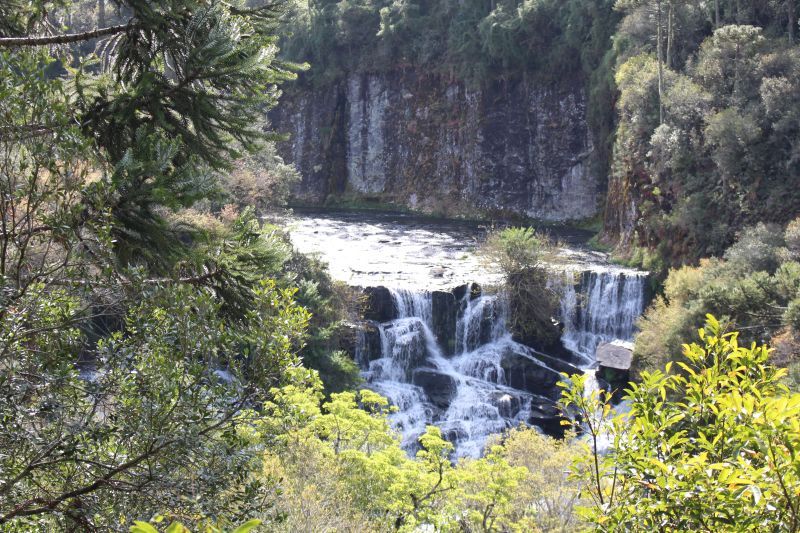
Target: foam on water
[[482, 403]]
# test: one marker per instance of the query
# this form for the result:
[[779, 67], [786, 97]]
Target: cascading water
[[467, 395], [489, 382], [604, 307], [446, 357]]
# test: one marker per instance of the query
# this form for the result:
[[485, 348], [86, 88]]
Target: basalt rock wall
[[439, 146]]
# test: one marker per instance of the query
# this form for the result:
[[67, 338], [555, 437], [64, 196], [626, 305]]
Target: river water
[[444, 355]]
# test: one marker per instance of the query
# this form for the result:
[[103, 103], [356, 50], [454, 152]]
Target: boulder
[[508, 405], [454, 433], [444, 311], [615, 354], [438, 387], [614, 362], [368, 343], [547, 416], [535, 372], [461, 291], [379, 305]]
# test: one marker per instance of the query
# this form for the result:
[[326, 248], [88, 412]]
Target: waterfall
[[603, 307], [466, 394], [487, 382]]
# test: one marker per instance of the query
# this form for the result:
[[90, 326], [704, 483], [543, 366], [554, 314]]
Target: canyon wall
[[438, 146]]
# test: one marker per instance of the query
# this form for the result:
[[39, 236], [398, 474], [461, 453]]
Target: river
[[436, 343]]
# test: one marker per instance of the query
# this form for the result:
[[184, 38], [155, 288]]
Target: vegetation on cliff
[[708, 128], [705, 168], [754, 288], [520, 254]]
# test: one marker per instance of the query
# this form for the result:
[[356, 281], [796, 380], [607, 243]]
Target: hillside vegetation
[[166, 357]]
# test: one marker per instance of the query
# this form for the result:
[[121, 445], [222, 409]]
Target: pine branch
[[24, 131], [42, 40]]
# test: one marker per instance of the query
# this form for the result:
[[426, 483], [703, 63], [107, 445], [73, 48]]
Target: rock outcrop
[[439, 146]]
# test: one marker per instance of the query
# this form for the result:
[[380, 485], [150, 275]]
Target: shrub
[[519, 254], [712, 448]]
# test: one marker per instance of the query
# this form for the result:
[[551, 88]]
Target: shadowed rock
[[439, 388], [535, 372], [380, 306], [548, 417], [444, 311]]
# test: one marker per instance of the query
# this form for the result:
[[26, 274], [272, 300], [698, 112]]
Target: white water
[[602, 307], [394, 250]]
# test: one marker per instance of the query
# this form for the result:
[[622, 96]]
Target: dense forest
[[170, 361]]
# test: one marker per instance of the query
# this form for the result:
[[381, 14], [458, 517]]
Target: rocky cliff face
[[438, 146]]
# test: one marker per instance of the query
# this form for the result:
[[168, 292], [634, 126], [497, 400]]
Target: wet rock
[[508, 405], [535, 372], [547, 416], [454, 433], [379, 305], [473, 289], [439, 388], [523, 374], [368, 343], [444, 314]]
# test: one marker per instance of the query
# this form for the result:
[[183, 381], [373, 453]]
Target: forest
[[174, 357]]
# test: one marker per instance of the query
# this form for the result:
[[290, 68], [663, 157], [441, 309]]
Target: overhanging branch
[[43, 40]]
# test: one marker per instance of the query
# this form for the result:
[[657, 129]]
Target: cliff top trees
[[475, 40], [720, 144]]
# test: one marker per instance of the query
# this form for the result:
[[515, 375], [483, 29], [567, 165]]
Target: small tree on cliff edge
[[519, 253]]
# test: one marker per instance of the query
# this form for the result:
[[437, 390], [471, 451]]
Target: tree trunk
[[790, 11], [716, 14], [670, 31], [659, 38], [101, 13], [44, 40]]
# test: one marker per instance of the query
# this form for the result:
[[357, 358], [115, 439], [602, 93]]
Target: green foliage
[[340, 465], [716, 139], [545, 499], [152, 418], [710, 448], [515, 249], [170, 105], [752, 289], [177, 527], [520, 254], [131, 338], [476, 40]]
